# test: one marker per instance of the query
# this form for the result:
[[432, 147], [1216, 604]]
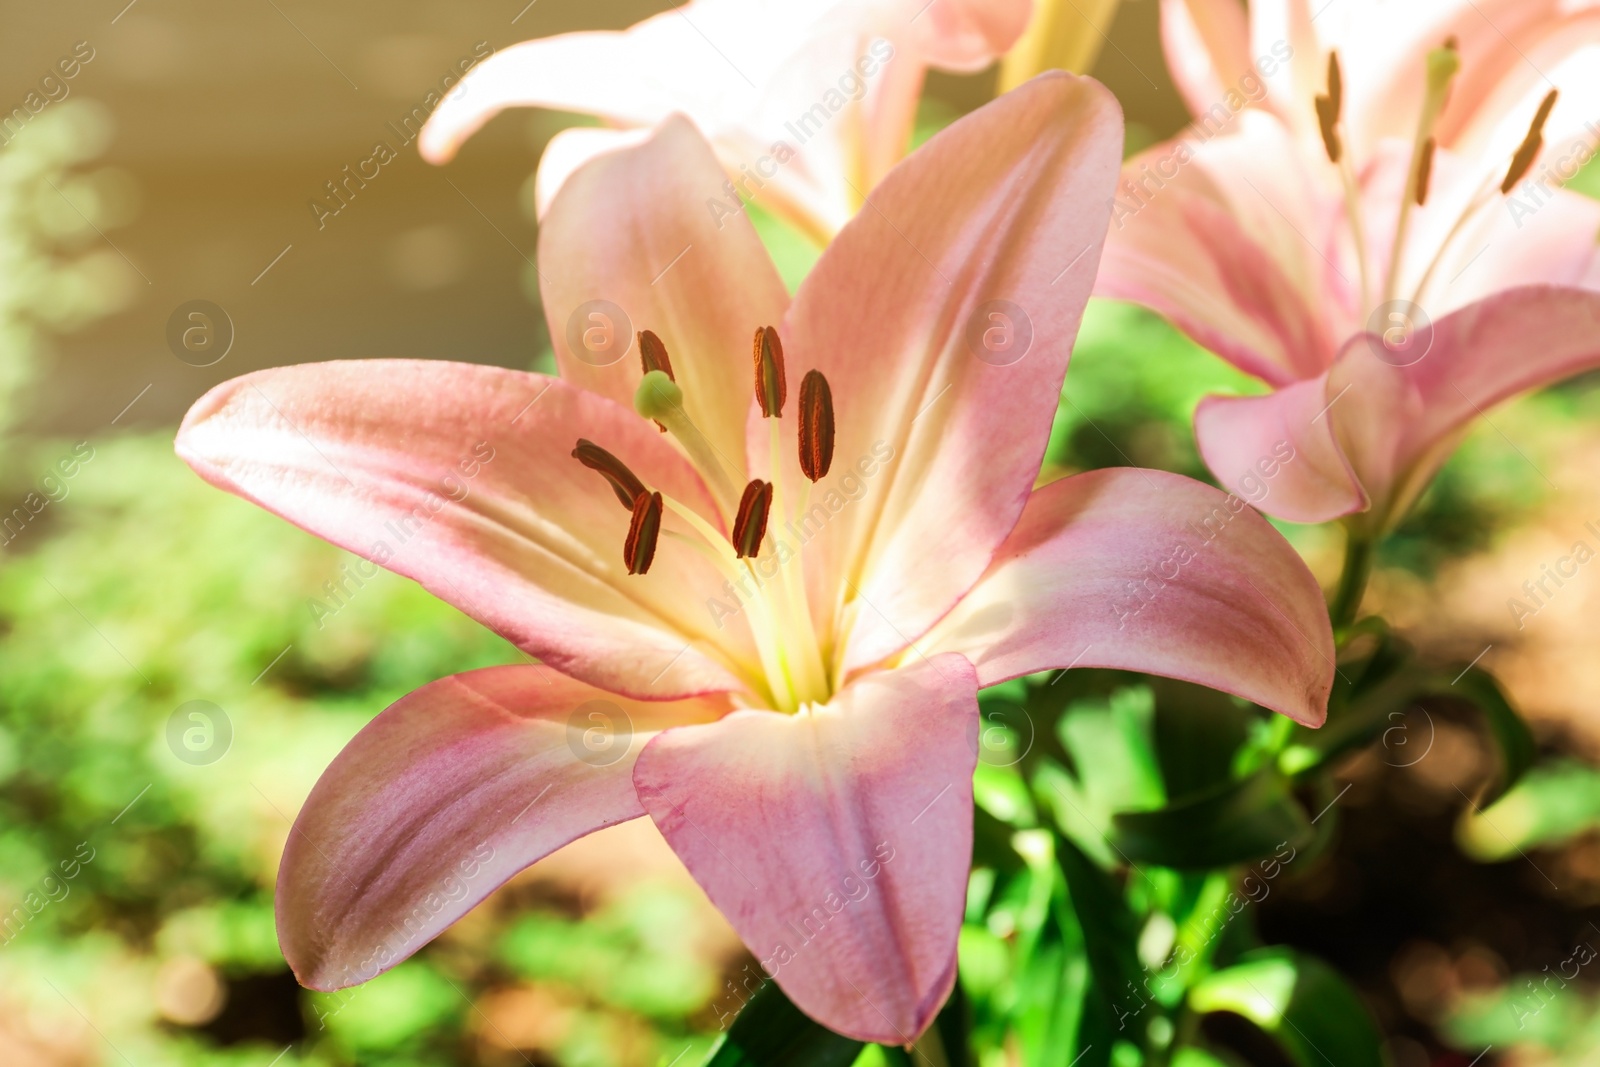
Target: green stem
[[896, 1056], [1346, 599]]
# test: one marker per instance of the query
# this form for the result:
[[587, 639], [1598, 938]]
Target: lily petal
[[836, 841], [807, 104], [1207, 45], [1292, 25], [1149, 571], [461, 477], [631, 227], [595, 73], [1002, 214], [1401, 419], [571, 149], [1244, 266], [965, 35], [1240, 436], [445, 795]]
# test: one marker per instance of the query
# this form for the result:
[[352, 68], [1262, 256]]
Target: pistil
[[659, 398], [653, 356], [1443, 63]]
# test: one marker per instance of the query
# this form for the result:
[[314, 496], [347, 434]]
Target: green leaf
[[1073, 812], [953, 1024], [1197, 731], [1050, 1013], [1301, 1002], [1192, 1056], [1002, 793], [1053, 971], [1113, 753], [1550, 805], [1510, 733], [1098, 1028], [1110, 931], [772, 1032], [1240, 822]]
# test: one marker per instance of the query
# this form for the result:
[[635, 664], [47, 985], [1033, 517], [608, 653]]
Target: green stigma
[[658, 397]]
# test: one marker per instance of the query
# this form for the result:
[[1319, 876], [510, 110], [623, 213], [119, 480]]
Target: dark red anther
[[771, 388], [1328, 108], [640, 548], [1528, 151], [623, 481], [750, 526], [653, 354], [816, 425], [1424, 171]]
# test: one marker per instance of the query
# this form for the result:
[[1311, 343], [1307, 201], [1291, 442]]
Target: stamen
[[639, 550], [653, 354], [816, 425], [771, 388], [624, 483], [751, 524], [1424, 171], [1328, 108], [1529, 149]]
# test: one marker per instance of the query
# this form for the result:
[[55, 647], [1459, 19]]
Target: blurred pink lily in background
[[794, 612], [1367, 216], [808, 103]]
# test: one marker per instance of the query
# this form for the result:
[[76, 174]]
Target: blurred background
[[168, 697]]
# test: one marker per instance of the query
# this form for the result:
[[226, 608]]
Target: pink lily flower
[[808, 103], [1379, 237], [774, 650]]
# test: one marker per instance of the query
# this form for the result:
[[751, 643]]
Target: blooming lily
[[1357, 220], [763, 613], [808, 103]]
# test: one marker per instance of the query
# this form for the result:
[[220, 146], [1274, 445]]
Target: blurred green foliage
[[1555, 803], [169, 901]]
